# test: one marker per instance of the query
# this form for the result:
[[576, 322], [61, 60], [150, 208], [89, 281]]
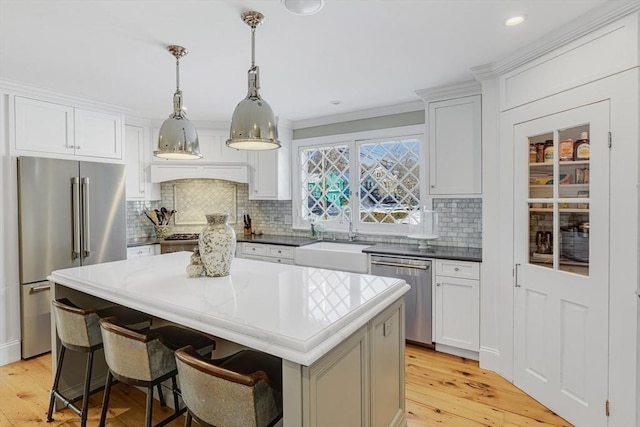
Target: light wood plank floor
[[441, 390]]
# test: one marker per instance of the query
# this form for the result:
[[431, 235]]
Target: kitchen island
[[340, 335]]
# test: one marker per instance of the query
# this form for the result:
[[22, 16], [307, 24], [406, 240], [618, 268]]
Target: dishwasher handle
[[397, 264]]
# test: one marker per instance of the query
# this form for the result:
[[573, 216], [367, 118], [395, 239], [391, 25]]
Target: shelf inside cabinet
[[561, 210]]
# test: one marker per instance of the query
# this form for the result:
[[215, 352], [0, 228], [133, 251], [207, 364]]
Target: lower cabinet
[[457, 307], [266, 252], [361, 382], [145, 250]]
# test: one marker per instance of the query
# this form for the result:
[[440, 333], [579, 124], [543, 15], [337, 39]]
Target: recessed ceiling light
[[303, 7], [515, 20], [335, 102]]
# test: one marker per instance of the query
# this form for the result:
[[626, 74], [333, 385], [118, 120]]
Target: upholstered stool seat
[[146, 359], [242, 390], [79, 330]]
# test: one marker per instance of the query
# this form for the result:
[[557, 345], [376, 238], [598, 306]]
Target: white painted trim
[[17, 88], [458, 90], [9, 352], [490, 359], [460, 352], [368, 113], [595, 19]]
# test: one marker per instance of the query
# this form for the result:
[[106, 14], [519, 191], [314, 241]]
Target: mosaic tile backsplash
[[460, 220]]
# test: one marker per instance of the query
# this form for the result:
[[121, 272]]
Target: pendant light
[[178, 138], [253, 126]]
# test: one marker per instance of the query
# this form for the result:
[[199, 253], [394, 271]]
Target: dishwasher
[[417, 273]]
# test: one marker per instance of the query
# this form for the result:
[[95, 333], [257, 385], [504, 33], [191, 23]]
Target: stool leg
[[149, 407], [187, 422], [105, 399], [160, 395], [87, 387], [174, 384], [54, 389]]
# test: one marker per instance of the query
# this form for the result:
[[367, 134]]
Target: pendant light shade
[[253, 125], [178, 138]]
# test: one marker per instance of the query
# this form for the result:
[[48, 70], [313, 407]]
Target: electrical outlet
[[387, 329]]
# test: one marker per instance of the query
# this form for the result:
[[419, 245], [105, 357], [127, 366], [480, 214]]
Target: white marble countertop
[[296, 313]]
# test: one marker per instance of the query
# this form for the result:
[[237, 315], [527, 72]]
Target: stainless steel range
[[179, 242]]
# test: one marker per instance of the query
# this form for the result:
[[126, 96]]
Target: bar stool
[[146, 359], [79, 330], [242, 390]]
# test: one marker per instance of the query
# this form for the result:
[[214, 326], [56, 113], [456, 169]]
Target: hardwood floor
[[441, 390]]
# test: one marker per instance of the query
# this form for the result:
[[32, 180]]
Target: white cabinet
[[137, 155], [46, 127], [454, 140], [457, 307], [270, 253], [270, 171], [144, 250]]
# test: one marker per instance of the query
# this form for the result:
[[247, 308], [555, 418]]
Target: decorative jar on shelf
[[217, 245]]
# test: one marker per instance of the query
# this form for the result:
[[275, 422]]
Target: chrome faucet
[[352, 234]]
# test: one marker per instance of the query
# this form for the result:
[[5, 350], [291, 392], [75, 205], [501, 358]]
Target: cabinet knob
[[457, 269], [437, 284], [77, 147], [433, 186]]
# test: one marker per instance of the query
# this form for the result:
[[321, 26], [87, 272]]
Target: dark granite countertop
[[141, 241], [276, 240], [444, 252]]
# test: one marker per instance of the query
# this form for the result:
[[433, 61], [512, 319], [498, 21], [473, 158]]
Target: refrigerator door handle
[[75, 200], [86, 241]]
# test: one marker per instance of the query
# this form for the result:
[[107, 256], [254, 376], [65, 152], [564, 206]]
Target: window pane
[[389, 181], [325, 181]]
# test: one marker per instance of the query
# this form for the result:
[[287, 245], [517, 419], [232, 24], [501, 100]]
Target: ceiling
[[363, 53]]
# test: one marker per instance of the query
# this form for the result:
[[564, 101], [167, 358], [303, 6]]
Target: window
[[372, 180]]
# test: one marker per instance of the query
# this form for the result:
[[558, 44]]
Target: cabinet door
[[263, 175], [458, 312], [270, 174], [43, 127], [455, 143], [134, 156], [387, 367], [562, 261], [98, 134], [137, 153]]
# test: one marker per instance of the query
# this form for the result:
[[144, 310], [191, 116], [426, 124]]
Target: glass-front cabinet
[[559, 180]]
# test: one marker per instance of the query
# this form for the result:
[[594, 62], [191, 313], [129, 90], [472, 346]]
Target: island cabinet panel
[[387, 367], [361, 381], [338, 385]]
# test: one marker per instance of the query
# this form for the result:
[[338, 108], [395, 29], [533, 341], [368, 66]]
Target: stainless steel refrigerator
[[71, 213]]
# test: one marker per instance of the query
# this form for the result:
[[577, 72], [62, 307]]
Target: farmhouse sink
[[334, 256]]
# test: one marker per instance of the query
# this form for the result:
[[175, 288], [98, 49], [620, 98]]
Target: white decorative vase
[[217, 244]]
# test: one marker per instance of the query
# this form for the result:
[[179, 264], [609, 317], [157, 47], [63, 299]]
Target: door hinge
[[609, 139], [606, 408]]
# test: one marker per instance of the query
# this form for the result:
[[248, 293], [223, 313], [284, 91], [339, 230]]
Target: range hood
[[171, 172]]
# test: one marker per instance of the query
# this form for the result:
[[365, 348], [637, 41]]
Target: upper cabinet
[[47, 127], [138, 153], [270, 171], [454, 140]]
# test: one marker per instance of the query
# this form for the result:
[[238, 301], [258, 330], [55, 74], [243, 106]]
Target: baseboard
[[10, 352], [457, 351], [490, 359]]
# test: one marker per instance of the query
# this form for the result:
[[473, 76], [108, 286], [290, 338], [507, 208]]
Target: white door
[[562, 261]]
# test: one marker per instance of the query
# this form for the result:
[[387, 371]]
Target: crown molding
[[24, 89], [595, 19], [458, 90], [368, 113]]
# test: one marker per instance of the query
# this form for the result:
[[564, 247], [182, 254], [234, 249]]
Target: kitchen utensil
[[149, 216], [154, 216], [160, 216]]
